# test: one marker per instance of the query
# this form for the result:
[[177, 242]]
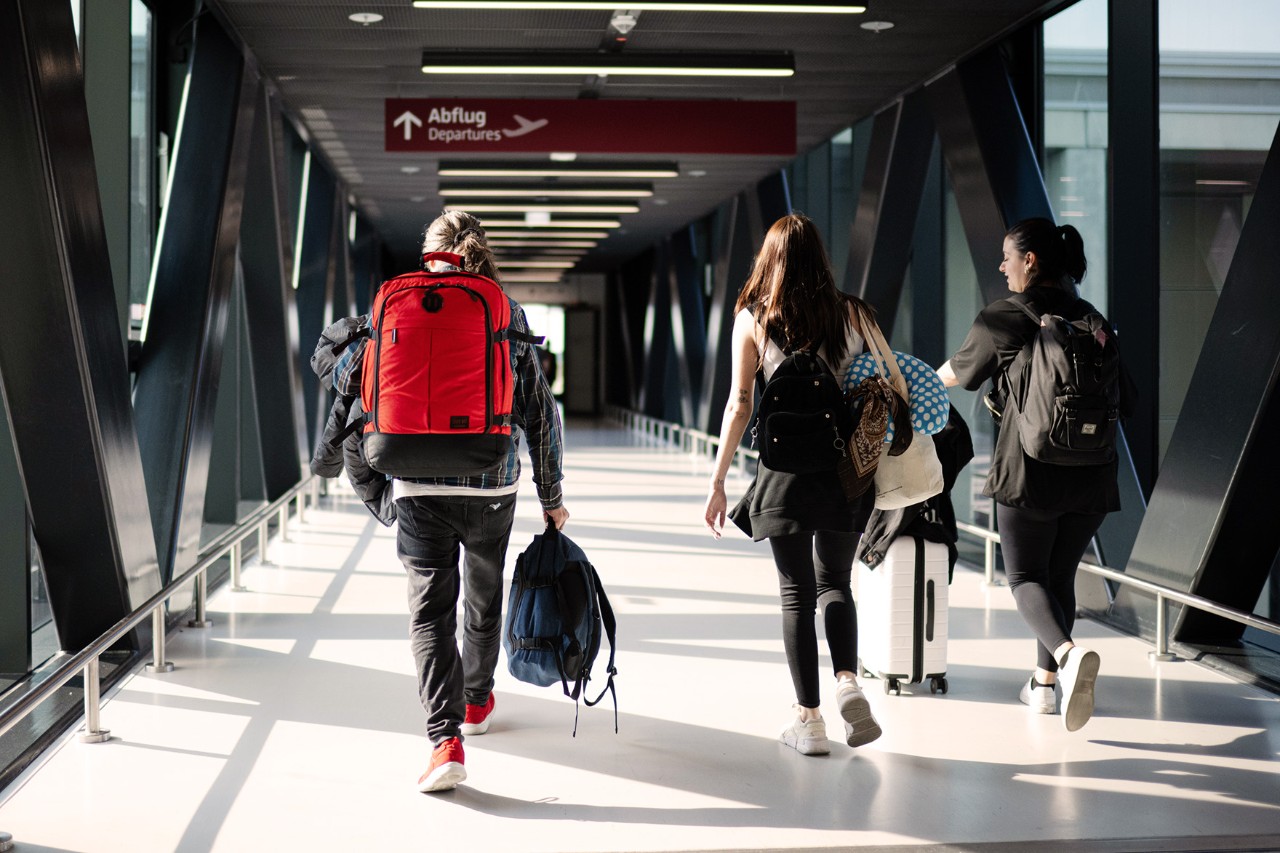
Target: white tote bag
[[915, 475]]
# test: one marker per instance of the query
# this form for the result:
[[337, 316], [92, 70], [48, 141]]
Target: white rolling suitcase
[[902, 615]]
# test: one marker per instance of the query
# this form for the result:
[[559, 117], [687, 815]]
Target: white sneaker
[[860, 727], [1077, 674], [1039, 697], [807, 738]]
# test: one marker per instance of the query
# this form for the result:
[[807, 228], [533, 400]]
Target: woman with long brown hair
[[790, 302]]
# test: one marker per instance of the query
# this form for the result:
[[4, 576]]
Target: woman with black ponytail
[[1047, 514]]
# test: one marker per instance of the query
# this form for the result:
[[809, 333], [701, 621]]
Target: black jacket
[[934, 519]]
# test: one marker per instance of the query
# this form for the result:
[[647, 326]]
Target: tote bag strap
[[886, 361]]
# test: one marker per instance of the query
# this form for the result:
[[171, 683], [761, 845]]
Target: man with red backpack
[[440, 422]]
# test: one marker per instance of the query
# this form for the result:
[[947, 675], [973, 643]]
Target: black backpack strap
[[517, 335], [362, 331], [610, 631], [356, 424], [1027, 309]]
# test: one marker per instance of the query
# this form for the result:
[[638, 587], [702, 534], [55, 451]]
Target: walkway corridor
[[293, 725]]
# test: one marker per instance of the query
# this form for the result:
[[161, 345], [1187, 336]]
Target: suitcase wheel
[[891, 685], [938, 684]]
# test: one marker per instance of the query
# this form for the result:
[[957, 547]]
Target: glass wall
[[1075, 159], [142, 165], [1219, 107]]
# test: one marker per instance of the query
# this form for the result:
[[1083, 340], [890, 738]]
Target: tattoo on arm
[[742, 395]]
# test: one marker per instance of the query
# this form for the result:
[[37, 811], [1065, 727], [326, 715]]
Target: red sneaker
[[446, 769], [477, 721]]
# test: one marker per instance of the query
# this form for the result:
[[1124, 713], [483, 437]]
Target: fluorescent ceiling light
[[546, 191], [542, 169], [485, 207], [560, 223], [541, 244], [539, 265], [551, 277], [648, 5], [578, 63], [542, 236], [1206, 182]]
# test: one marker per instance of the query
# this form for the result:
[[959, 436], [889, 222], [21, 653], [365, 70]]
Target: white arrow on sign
[[409, 120]]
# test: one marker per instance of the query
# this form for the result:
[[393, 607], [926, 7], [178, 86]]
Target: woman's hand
[[717, 503]]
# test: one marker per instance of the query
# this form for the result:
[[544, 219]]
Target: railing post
[[1161, 652], [989, 561], [6, 842], [201, 619], [262, 542], [158, 662], [302, 505], [284, 522], [92, 731], [234, 556]]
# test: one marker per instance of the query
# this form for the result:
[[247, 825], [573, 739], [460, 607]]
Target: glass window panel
[[142, 166], [1075, 132], [1219, 107]]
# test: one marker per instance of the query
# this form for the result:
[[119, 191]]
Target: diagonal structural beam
[[65, 380], [729, 242], [994, 171], [270, 311], [1210, 527], [658, 337], [889, 204], [313, 284], [689, 331], [191, 285]]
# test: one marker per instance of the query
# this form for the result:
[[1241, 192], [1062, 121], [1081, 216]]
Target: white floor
[[293, 723]]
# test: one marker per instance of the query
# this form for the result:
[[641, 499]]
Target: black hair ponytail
[[1059, 251]]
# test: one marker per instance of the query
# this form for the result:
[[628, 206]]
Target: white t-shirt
[[773, 356]]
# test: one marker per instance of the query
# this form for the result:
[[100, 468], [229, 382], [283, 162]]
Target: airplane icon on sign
[[526, 126]]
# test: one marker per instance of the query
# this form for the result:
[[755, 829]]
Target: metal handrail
[[990, 539], [690, 440], [87, 658], [1163, 594]]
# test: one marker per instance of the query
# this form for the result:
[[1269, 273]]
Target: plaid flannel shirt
[[533, 414]]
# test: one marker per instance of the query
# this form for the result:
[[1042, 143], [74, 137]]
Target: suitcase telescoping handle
[[448, 257]]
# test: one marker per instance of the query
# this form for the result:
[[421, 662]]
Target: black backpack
[[803, 422], [557, 613], [1068, 389]]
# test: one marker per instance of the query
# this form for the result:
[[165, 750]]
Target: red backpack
[[437, 384]]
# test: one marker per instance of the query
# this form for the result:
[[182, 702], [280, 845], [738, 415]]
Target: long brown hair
[[459, 232], [792, 293]]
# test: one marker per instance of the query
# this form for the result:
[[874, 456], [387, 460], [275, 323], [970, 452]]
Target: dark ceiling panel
[[333, 76]]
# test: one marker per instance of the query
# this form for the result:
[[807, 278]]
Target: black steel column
[[314, 283], [994, 171], [270, 311], [888, 205], [181, 365], [1133, 92], [689, 330], [657, 336], [928, 273], [65, 381], [775, 199], [732, 251], [1210, 527]]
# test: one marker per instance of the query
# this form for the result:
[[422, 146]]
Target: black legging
[[1042, 549], [805, 584]]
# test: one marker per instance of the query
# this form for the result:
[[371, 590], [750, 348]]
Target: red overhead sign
[[495, 126]]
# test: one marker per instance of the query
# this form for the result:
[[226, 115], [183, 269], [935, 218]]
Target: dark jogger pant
[[432, 529], [1042, 549], [814, 572]]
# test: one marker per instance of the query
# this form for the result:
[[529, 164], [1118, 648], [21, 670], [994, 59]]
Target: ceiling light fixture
[[547, 191], [877, 26], [542, 169], [649, 5], [540, 265], [578, 63], [364, 19], [485, 207], [563, 156], [1208, 182], [541, 244], [560, 223], [552, 277], [411, 170], [546, 235]]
